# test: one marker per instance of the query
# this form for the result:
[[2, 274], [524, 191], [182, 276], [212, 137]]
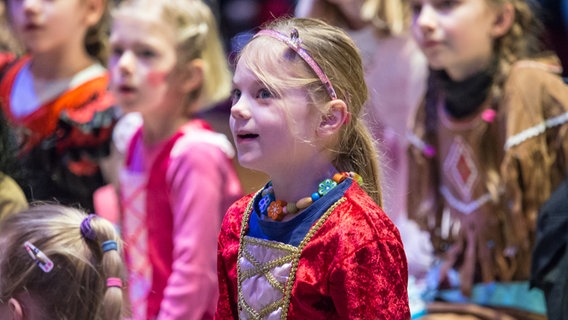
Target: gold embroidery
[[264, 269], [258, 268], [302, 245]]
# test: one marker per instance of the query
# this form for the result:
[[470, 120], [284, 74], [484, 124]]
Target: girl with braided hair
[[489, 145], [56, 262]]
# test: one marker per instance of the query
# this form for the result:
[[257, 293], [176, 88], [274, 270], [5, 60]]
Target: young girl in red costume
[[55, 97], [167, 63], [314, 243]]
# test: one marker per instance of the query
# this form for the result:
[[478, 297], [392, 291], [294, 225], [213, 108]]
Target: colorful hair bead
[[488, 115], [429, 151]]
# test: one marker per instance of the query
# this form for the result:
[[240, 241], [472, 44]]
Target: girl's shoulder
[[359, 209], [532, 84], [546, 63], [6, 58], [232, 222], [197, 134], [528, 72], [10, 66]]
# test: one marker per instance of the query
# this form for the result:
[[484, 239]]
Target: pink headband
[[294, 43]]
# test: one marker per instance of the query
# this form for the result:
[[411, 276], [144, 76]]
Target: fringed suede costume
[[480, 168]]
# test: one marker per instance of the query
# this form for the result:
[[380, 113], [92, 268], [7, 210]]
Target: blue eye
[[235, 96], [264, 94]]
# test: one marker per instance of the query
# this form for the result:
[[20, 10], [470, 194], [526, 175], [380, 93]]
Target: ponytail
[[111, 266], [357, 153]]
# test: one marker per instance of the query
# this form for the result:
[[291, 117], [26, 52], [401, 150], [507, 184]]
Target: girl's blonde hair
[[96, 38], [340, 60], [389, 17], [197, 38], [76, 287]]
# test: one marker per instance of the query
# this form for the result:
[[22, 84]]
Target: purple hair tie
[[86, 229]]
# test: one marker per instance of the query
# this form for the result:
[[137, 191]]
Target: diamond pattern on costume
[[264, 269], [460, 168], [135, 235]]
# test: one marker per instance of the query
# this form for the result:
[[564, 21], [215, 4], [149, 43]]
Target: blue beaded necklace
[[278, 209]]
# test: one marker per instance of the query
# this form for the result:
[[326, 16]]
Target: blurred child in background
[[178, 180], [55, 97], [489, 145]]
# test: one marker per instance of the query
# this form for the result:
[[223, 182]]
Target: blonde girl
[[178, 180], [313, 242]]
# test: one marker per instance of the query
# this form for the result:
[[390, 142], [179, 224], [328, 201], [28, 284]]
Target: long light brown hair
[[340, 60], [76, 287]]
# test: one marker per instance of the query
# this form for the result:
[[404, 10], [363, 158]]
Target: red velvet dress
[[349, 263]]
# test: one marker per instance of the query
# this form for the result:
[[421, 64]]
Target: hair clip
[[86, 229], [39, 257], [294, 42]]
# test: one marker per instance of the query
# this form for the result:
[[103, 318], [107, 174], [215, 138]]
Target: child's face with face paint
[[143, 62]]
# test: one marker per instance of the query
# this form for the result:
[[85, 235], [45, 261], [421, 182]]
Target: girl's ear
[[15, 309], [504, 19], [95, 9], [335, 117], [192, 76]]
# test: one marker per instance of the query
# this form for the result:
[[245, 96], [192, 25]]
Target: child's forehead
[[265, 60], [265, 52], [136, 13], [145, 24]]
